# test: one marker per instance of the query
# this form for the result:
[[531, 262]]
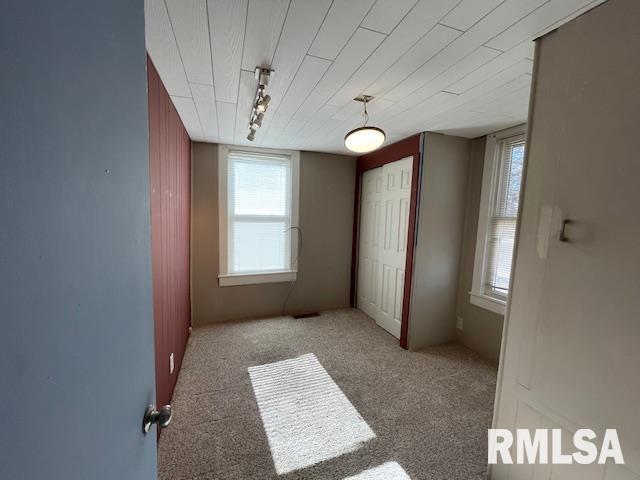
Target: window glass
[[259, 205], [504, 214], [260, 188]]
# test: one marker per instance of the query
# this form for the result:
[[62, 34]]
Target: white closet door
[[384, 225], [396, 194], [369, 245]]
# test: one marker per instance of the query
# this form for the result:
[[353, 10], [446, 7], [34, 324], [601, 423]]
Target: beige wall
[[326, 221], [481, 329], [440, 227]]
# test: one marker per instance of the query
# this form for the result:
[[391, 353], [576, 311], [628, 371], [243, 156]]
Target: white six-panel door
[[369, 245], [384, 224]]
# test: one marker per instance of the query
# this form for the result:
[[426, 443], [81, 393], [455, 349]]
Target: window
[[258, 211], [502, 178]]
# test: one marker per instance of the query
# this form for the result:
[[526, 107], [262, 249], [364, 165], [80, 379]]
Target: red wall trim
[[170, 176], [409, 147]]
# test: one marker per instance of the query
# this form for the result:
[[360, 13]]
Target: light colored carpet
[[428, 411]]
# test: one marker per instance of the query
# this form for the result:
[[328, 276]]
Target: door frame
[[408, 147]]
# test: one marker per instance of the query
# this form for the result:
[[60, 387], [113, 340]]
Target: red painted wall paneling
[[169, 170]]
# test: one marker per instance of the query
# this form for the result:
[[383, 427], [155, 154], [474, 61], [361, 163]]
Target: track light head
[[252, 134], [256, 122], [263, 104]]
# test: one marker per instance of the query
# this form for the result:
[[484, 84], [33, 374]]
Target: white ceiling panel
[[422, 18], [186, 108], [537, 21], [264, 24], [507, 103], [440, 82], [499, 19], [432, 111], [271, 138], [191, 29], [443, 68], [292, 130], [461, 67], [205, 101], [341, 22], [303, 21], [359, 47], [227, 20], [468, 12], [386, 14], [502, 61], [480, 125], [421, 52], [318, 120], [311, 70], [163, 48], [491, 90], [226, 121]]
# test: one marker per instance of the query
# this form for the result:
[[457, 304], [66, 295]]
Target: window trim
[[477, 295], [225, 278]]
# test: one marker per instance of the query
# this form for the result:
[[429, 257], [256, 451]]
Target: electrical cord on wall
[[294, 265]]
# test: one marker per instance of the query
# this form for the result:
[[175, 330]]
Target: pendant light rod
[[364, 99]]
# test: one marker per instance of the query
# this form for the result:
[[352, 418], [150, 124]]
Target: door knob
[[162, 417]]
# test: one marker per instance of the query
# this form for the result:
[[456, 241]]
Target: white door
[[384, 224], [571, 355], [369, 245]]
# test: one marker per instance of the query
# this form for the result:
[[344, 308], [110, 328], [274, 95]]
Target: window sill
[[233, 279], [488, 303]]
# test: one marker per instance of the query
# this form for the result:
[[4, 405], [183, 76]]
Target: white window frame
[[231, 279], [491, 168]]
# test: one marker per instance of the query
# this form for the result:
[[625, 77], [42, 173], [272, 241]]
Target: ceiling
[[461, 67]]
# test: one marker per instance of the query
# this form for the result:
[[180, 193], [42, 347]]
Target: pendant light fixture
[[366, 138]]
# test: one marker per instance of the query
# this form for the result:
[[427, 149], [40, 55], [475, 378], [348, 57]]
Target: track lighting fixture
[[260, 101], [366, 138]]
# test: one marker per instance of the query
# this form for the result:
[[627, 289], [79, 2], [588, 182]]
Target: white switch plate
[[171, 364], [459, 323]]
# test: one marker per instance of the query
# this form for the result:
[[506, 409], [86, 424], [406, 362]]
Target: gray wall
[[327, 184], [482, 328], [76, 346], [432, 318]]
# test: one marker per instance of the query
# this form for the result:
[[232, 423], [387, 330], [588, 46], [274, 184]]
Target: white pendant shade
[[364, 139]]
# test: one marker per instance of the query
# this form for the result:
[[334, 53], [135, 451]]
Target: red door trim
[[409, 147]]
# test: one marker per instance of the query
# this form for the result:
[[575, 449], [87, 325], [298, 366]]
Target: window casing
[[499, 204], [258, 215]]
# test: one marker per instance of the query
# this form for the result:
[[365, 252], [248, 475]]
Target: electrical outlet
[[171, 364], [459, 323]]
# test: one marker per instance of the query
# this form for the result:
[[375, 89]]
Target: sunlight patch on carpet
[[306, 416], [386, 471]]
